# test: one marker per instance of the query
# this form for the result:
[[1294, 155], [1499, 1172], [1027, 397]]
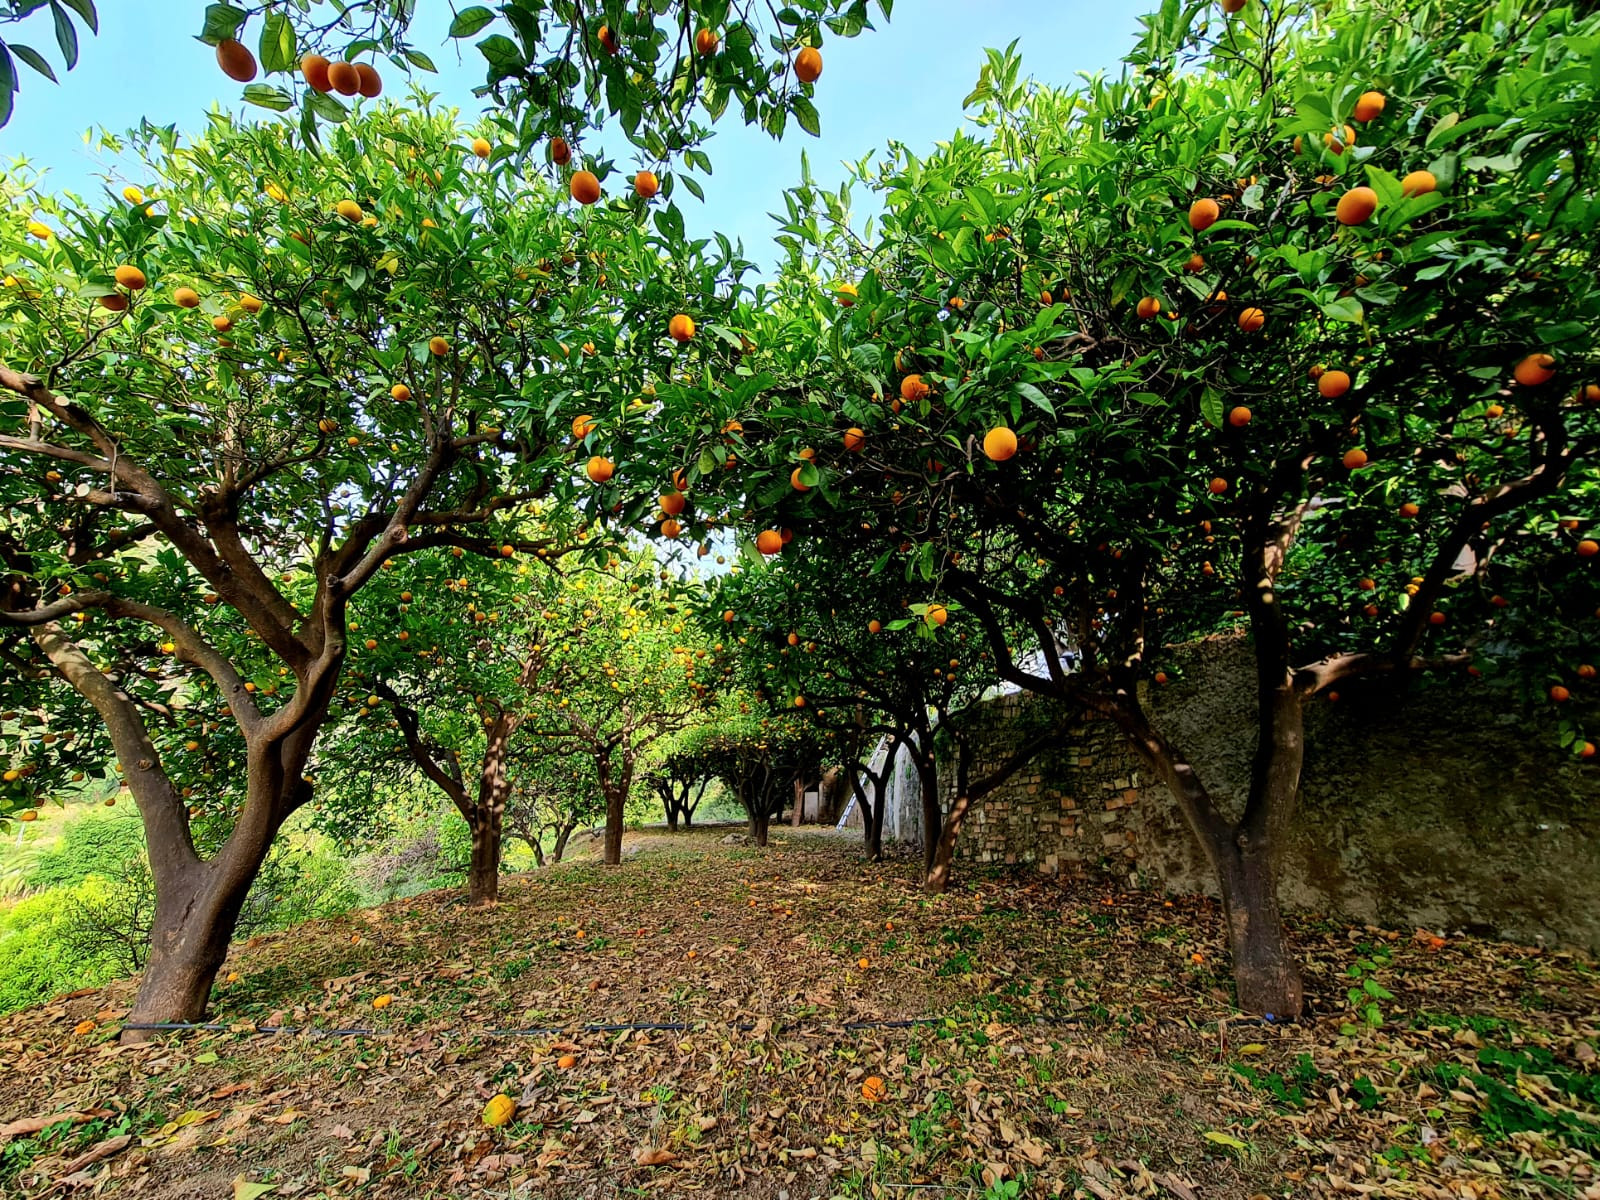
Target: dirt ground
[[792, 1022]]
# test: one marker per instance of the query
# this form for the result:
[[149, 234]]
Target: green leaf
[[1345, 308], [327, 107], [805, 115], [66, 34], [1223, 1139], [421, 61], [469, 20], [222, 23], [1211, 407], [504, 57], [277, 45], [8, 84], [85, 9], [264, 95], [1038, 398], [35, 60]]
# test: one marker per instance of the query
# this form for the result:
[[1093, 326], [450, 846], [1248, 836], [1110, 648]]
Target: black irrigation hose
[[535, 1031]]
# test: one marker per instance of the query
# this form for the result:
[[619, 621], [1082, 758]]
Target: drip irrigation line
[[532, 1031]]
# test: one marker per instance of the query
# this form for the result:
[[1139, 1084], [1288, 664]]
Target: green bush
[[98, 842], [36, 961]]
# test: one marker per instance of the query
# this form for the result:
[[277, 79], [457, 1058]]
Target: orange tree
[[550, 796], [446, 650], [232, 401], [554, 69], [762, 757], [1292, 327], [620, 670], [864, 658]]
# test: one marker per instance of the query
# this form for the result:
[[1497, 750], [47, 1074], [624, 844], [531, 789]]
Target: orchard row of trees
[[348, 457]]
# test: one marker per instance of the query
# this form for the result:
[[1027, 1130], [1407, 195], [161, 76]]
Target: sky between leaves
[[905, 81]]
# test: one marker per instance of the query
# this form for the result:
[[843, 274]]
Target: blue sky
[[904, 81]]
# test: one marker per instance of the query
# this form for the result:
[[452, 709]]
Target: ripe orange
[[251, 304], [1337, 139], [937, 614], [236, 61], [116, 302], [368, 82], [672, 503], [599, 468], [799, 701], [855, 439], [315, 70], [1239, 417], [1196, 264], [439, 346], [560, 152], [646, 185], [1232, 6], [1203, 214], [706, 42], [481, 147], [769, 541], [585, 188], [608, 40], [1586, 671], [1251, 319], [1418, 183], [1588, 548], [1560, 694], [349, 210], [186, 298], [874, 626], [795, 481], [1217, 486], [1333, 384], [1494, 410], [1000, 443], [728, 616], [681, 327], [1409, 509], [1161, 678], [567, 1061], [400, 392], [1587, 750], [808, 64], [129, 277], [1589, 393], [1355, 459], [1366, 585], [222, 323], [671, 528], [1436, 618], [344, 77], [1534, 370], [582, 426], [1356, 206], [1369, 106], [913, 389], [1149, 307]]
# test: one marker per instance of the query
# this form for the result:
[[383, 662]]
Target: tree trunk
[[483, 874], [560, 847], [672, 818], [932, 810], [616, 804], [799, 802], [944, 852], [1265, 972], [759, 821], [536, 842]]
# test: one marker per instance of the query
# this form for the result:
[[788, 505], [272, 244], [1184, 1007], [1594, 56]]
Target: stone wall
[[1442, 808]]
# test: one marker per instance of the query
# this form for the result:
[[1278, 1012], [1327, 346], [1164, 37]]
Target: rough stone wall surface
[[1437, 808]]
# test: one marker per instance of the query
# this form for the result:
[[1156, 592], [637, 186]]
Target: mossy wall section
[[1448, 807]]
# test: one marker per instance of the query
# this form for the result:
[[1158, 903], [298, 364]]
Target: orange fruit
[[1337, 139], [873, 1089], [560, 152], [1232, 6], [439, 346], [1355, 459], [1161, 677], [937, 614], [382, 1001], [808, 64], [1418, 183], [1366, 585], [344, 77], [1203, 214], [1000, 443], [1588, 548], [400, 392], [1333, 384], [681, 328], [1436, 618], [673, 503], [799, 701], [1409, 509], [1587, 750], [608, 40], [1589, 393], [855, 439], [314, 68], [1239, 417], [349, 210], [129, 277], [1251, 319], [1534, 370], [583, 426], [671, 528], [585, 188], [236, 61], [499, 1111], [795, 481], [1217, 486], [1560, 694], [251, 304], [599, 469], [874, 626], [913, 389], [221, 324], [646, 185], [706, 42], [1196, 264], [1369, 106], [186, 298], [567, 1061], [368, 82], [1356, 206], [116, 302], [1149, 307], [481, 147], [769, 541]]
